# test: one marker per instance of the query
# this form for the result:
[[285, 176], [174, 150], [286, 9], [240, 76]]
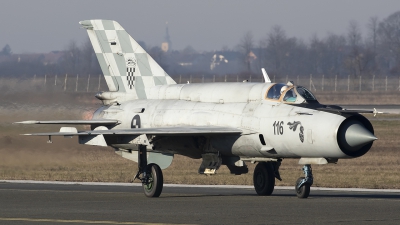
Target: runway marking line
[[75, 221], [64, 191]]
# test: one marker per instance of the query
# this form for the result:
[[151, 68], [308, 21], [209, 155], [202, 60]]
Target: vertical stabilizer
[[125, 64]]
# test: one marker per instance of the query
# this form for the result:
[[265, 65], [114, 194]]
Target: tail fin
[[125, 64]]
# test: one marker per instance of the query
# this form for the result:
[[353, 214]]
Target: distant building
[[45, 58], [166, 45], [225, 62], [251, 56], [217, 60]]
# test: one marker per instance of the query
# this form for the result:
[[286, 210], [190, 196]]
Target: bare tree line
[[335, 55], [342, 55]]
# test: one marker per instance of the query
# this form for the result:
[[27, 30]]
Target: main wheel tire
[[264, 178], [156, 181], [304, 191]]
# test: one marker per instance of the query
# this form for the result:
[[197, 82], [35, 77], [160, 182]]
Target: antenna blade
[[266, 77]]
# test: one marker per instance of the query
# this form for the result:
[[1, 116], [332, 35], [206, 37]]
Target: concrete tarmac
[[24, 203]]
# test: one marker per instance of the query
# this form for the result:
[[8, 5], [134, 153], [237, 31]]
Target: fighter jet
[[148, 118]]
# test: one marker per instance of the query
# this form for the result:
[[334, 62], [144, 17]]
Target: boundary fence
[[96, 83]]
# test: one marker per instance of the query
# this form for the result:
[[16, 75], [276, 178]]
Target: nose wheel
[[304, 190], [303, 184]]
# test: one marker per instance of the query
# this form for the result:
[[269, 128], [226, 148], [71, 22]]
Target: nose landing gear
[[303, 184]]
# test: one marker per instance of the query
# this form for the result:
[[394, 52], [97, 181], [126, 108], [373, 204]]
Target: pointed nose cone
[[353, 136], [357, 135]]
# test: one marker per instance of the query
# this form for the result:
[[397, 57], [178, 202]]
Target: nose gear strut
[[303, 184]]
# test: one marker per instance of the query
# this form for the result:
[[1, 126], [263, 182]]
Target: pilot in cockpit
[[276, 91], [283, 89], [287, 90], [290, 96]]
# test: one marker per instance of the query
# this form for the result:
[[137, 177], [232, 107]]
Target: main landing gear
[[266, 172], [150, 175], [264, 177], [303, 184]]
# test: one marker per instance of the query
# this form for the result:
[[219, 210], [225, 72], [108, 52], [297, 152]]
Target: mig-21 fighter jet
[[148, 118]]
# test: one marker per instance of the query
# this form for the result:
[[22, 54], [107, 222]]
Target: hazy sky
[[46, 25]]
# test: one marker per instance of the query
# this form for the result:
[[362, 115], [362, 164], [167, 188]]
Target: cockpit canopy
[[289, 93]]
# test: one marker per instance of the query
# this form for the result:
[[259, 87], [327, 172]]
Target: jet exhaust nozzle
[[355, 136]]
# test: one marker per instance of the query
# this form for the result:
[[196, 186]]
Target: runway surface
[[33, 203]]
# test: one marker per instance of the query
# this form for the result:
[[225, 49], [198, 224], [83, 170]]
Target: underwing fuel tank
[[355, 136]]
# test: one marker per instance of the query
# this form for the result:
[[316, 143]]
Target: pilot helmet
[[284, 88]]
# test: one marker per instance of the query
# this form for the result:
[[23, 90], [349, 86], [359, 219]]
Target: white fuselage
[[271, 129]]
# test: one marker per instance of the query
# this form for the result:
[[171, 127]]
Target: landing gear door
[[163, 160]]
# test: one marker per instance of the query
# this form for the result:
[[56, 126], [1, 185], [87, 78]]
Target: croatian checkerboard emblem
[[130, 69]]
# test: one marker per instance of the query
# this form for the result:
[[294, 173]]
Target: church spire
[[166, 45]]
